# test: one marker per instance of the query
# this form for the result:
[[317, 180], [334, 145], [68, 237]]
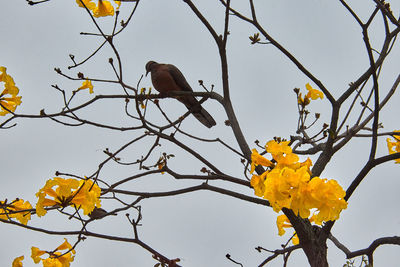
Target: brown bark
[[312, 239], [316, 249]]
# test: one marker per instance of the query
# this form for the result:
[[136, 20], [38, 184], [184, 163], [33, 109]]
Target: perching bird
[[166, 78], [99, 213]]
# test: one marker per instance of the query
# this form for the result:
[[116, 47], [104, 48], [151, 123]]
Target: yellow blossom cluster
[[311, 94], [394, 146], [57, 192], [102, 9], [8, 96], [82, 194], [56, 257], [288, 184], [18, 209]]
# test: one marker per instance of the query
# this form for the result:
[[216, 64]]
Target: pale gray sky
[[200, 228]]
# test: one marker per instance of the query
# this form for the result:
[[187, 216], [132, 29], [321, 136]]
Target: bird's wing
[[179, 78], [190, 101]]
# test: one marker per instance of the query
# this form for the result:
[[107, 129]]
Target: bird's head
[[149, 66]]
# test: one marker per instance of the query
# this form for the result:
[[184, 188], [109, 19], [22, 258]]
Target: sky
[[201, 227]]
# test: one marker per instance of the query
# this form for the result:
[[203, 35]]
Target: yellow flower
[[8, 97], [257, 159], [313, 93], [54, 257], [299, 203], [18, 209], [257, 182], [83, 194], [9, 104], [87, 85], [9, 83], [36, 253], [283, 185], [103, 9], [17, 262], [283, 222], [65, 245], [282, 154], [394, 146], [290, 160], [88, 3], [118, 4], [22, 217], [303, 101], [327, 196], [87, 197], [58, 261], [277, 189], [278, 149], [307, 163], [275, 148]]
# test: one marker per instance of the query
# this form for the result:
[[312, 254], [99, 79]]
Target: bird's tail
[[204, 117]]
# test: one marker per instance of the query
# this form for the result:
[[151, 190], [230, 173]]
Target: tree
[[161, 143]]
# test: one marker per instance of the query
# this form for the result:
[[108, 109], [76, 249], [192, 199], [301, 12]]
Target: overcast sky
[[200, 228]]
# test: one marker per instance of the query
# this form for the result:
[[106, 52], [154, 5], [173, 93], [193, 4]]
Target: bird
[[167, 78], [99, 213]]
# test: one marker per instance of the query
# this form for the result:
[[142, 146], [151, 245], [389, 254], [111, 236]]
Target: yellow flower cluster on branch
[[288, 184], [102, 9], [59, 192], [8, 96], [18, 209], [56, 258], [394, 146]]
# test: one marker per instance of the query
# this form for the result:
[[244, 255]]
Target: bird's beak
[[147, 72]]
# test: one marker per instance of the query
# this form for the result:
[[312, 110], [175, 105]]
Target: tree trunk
[[312, 239], [315, 247]]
